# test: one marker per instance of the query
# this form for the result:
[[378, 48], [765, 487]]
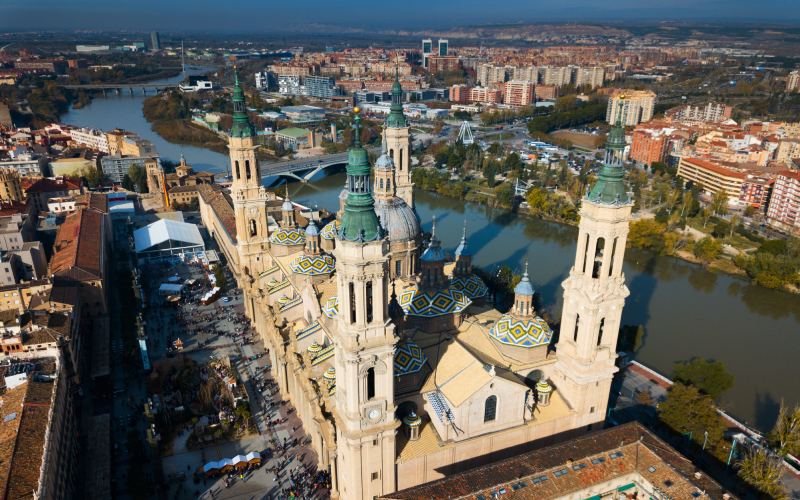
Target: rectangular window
[[369, 301], [352, 302], [374, 476]]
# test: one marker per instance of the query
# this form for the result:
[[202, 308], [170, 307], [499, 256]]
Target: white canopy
[[161, 231]]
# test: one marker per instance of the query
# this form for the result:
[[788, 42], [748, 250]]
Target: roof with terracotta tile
[[713, 167], [222, 206], [571, 467], [79, 247]]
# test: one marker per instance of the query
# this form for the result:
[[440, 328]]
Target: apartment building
[[485, 95], [593, 76], [756, 191], [787, 151], [519, 93], [713, 112], [459, 94], [649, 146], [784, 205], [489, 74], [96, 140], [637, 106], [555, 75], [712, 177]]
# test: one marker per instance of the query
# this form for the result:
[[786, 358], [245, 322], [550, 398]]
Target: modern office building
[[443, 47], [155, 41], [427, 51], [322, 87]]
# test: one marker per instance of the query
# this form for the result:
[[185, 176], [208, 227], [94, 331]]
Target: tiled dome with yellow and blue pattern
[[521, 332], [472, 286], [331, 307], [287, 236], [313, 265], [408, 358], [329, 231], [430, 304]]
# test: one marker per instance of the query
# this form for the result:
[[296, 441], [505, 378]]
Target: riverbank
[[186, 132], [726, 254]]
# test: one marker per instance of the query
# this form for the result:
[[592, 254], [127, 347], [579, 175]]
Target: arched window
[[598, 257], [398, 267], [380, 183], [253, 227], [247, 168], [600, 333], [388, 184], [490, 409], [400, 164], [238, 174], [370, 383], [577, 325]]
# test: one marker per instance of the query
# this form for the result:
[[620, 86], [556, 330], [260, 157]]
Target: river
[[687, 311]]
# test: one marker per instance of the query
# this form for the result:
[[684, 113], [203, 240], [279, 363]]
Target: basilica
[[391, 351]]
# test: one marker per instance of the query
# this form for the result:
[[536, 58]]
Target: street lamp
[[705, 439]]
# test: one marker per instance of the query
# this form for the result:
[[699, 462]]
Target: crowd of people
[[198, 325]]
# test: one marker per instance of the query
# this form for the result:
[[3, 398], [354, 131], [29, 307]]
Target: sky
[[276, 15]]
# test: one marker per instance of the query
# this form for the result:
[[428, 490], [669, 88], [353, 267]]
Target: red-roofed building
[[79, 257], [712, 177], [42, 190]]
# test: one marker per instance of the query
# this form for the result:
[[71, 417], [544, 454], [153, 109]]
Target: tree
[[763, 471], [93, 176], [138, 177], [219, 275], [689, 411], [127, 183], [709, 376], [719, 203], [707, 249], [785, 436], [489, 171], [647, 234]]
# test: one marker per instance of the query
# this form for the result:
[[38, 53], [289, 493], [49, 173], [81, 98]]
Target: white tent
[[167, 237]]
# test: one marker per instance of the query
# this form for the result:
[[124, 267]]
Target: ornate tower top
[[610, 188], [241, 123], [463, 249], [359, 221], [396, 117], [524, 287]]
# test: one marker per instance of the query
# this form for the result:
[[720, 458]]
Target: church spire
[[396, 117], [610, 187], [359, 221], [241, 123]]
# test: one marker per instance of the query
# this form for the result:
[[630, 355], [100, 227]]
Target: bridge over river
[[304, 169]]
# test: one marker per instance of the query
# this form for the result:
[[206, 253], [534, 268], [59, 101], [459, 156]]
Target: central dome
[[397, 219]]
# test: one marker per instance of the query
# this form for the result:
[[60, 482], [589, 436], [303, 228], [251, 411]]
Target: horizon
[[415, 15]]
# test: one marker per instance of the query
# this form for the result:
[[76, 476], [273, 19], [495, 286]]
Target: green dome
[[359, 221]]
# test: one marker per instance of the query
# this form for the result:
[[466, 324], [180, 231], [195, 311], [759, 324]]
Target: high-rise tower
[[595, 291], [398, 142], [249, 196], [364, 342]]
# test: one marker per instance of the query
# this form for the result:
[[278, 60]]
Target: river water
[[687, 311]]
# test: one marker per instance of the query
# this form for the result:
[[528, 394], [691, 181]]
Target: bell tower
[[398, 142], [249, 196], [595, 291], [364, 343]]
